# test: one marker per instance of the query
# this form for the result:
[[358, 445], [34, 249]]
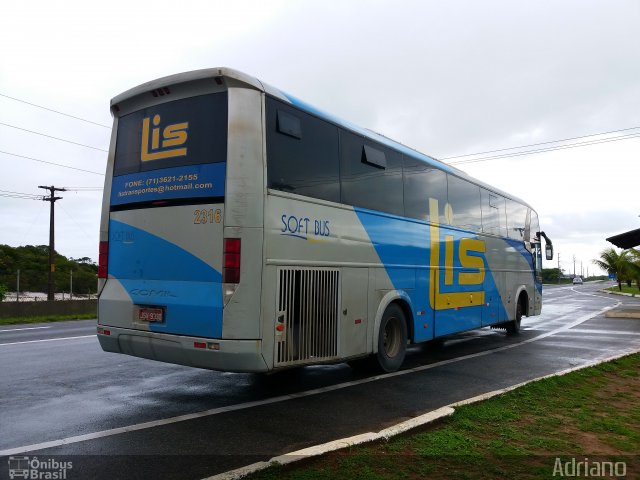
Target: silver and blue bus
[[244, 230]]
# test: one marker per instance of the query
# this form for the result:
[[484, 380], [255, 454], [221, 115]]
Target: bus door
[[537, 265], [493, 303]]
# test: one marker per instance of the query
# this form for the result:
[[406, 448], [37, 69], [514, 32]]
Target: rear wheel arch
[[523, 301], [522, 297], [521, 309], [400, 298], [408, 316]]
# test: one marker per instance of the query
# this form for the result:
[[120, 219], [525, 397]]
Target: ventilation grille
[[308, 307], [160, 92]]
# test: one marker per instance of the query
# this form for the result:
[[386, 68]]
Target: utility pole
[[52, 266], [559, 271], [18, 286], [574, 265]]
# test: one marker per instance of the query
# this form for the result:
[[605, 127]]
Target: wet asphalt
[[115, 416]]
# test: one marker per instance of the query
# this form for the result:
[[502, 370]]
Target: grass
[[626, 289], [592, 413], [46, 318]]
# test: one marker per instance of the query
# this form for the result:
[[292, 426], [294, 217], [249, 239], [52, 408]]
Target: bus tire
[[392, 339], [513, 327]]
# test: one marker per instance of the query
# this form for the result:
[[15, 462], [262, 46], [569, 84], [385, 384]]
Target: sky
[[446, 78]]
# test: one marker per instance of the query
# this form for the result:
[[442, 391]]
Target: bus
[[244, 230]]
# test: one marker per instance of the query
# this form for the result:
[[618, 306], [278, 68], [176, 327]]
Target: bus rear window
[[173, 151], [190, 131]]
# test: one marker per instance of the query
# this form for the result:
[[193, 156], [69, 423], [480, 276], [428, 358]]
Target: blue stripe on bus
[[156, 272], [402, 244], [186, 181]]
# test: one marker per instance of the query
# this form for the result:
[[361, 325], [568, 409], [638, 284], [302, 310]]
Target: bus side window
[[370, 174], [494, 220], [534, 227], [464, 198], [422, 182], [302, 153], [516, 220]]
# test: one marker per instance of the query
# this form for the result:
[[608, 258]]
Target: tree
[[550, 275], [634, 265], [3, 292], [85, 260], [616, 263], [33, 263]]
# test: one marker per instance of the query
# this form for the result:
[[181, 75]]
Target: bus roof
[[239, 78]]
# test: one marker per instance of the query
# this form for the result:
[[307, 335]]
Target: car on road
[[577, 280]]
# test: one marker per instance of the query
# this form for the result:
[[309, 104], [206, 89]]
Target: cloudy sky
[[447, 78]]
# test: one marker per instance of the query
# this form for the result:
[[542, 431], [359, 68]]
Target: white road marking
[[46, 340], [585, 294], [19, 329], [282, 398], [604, 332]]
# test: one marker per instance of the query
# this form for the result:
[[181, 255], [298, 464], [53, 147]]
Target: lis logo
[[174, 137], [449, 277]]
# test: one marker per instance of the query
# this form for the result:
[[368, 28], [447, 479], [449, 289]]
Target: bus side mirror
[[548, 248], [548, 251]]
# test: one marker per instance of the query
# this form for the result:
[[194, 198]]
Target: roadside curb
[[397, 429], [334, 445], [622, 294]]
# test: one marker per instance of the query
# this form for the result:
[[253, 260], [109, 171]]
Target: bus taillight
[[103, 259], [231, 261]]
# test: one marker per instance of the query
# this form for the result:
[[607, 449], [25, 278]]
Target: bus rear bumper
[[217, 354]]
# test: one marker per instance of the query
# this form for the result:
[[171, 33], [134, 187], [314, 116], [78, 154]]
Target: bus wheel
[[513, 326], [392, 339]]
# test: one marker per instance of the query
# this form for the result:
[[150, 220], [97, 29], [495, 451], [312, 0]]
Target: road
[[115, 416]]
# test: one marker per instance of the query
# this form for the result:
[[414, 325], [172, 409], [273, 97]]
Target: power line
[[55, 111], [33, 222], [25, 196], [549, 149], [22, 197], [55, 138], [541, 143], [83, 189], [77, 224], [51, 163], [19, 193]]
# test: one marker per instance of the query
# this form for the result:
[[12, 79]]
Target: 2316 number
[[205, 216]]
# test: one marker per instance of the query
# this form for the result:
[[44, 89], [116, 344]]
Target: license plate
[[150, 314]]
